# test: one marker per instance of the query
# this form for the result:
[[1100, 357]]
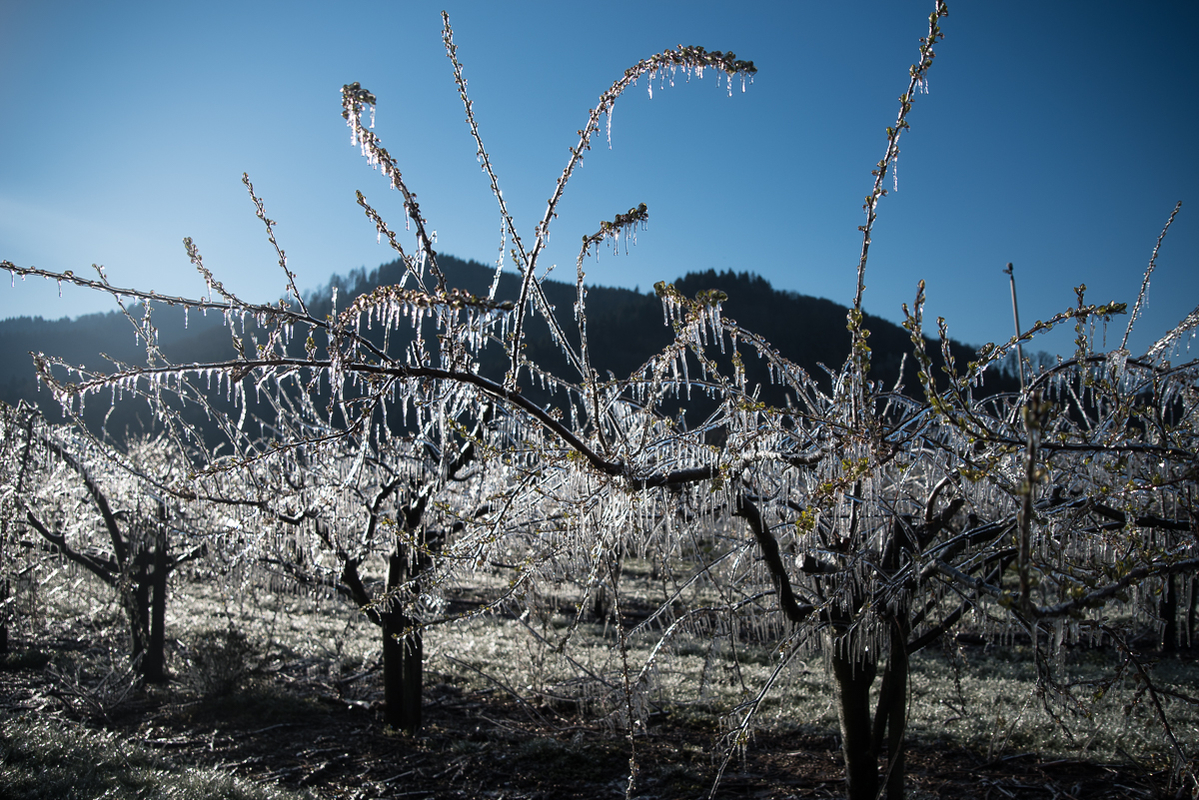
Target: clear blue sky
[[1056, 135]]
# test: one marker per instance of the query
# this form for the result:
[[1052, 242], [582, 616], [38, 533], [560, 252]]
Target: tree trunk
[[145, 605], [891, 715], [413, 681], [154, 659], [893, 707], [1191, 604], [4, 610], [393, 675], [137, 629], [1168, 610], [403, 657], [402, 674], [136, 600], [854, 674], [599, 603]]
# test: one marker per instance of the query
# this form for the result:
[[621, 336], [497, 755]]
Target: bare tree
[[426, 363], [365, 517], [874, 521], [86, 510]]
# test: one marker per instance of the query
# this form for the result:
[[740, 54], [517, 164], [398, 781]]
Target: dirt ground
[[290, 729]]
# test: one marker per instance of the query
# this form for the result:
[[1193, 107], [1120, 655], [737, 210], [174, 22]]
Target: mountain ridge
[[625, 327]]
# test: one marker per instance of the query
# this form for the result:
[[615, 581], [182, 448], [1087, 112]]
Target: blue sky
[[1057, 136]]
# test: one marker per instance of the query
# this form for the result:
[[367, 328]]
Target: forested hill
[[625, 328]]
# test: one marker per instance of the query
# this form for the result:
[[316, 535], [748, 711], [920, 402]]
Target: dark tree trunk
[[413, 667], [599, 603], [393, 671], [145, 605], [1168, 609], [891, 716], [4, 595], [154, 660], [137, 630], [854, 674], [1191, 604], [403, 657], [137, 609]]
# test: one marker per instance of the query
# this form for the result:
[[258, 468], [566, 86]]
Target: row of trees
[[860, 521]]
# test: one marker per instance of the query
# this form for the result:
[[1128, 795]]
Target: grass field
[[259, 674]]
